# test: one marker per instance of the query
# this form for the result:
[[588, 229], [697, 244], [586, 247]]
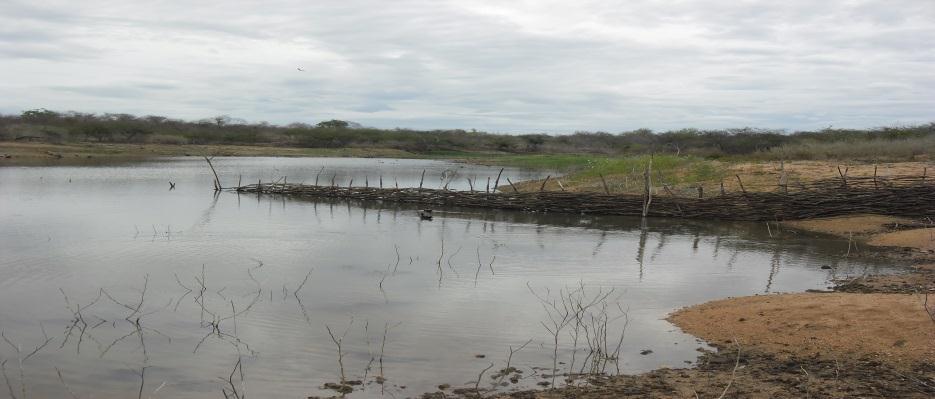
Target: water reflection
[[171, 291]]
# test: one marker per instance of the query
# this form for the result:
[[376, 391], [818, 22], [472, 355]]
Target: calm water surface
[[225, 279]]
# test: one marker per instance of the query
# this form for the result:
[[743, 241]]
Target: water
[[224, 281]]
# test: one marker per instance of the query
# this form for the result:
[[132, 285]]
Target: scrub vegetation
[[895, 143]]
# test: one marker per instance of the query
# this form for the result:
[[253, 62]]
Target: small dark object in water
[[425, 214], [479, 356], [825, 267], [340, 388], [645, 352]]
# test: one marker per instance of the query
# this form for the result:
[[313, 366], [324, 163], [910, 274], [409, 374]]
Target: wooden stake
[[421, 180], [741, 184], [496, 184], [606, 190], [319, 174], [217, 181], [511, 185], [541, 188], [647, 186]]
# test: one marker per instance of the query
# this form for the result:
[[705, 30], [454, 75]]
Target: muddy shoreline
[[870, 336]]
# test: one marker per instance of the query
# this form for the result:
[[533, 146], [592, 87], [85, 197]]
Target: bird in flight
[[300, 69]]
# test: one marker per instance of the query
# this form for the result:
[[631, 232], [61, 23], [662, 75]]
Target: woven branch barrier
[[911, 196]]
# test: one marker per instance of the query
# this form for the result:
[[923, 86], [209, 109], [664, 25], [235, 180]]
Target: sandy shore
[[875, 341]]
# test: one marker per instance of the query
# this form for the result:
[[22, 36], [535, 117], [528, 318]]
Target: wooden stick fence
[[909, 196]]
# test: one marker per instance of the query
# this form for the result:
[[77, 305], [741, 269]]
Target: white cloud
[[521, 66]]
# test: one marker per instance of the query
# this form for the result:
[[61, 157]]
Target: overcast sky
[[505, 66]]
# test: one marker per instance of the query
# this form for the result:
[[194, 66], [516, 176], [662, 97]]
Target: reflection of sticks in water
[[396, 247], [187, 292], [142, 381], [7, 380], [600, 242], [230, 382], [641, 248], [22, 359], [479, 265], [440, 257], [67, 388], [305, 280], [450, 266], [78, 319], [773, 269]]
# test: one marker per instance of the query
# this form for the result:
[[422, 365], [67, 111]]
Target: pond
[[133, 284]]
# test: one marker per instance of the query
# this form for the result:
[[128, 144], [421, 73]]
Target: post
[[511, 185], [421, 180], [722, 187], [606, 190], [560, 184], [381, 181], [875, 177], [488, 184], [700, 192], [647, 186], [843, 175], [541, 188], [496, 184], [470, 183], [217, 181], [319, 174], [743, 190], [366, 181]]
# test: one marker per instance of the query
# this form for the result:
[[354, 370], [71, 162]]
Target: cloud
[[524, 66]]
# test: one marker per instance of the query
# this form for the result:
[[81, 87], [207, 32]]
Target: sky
[[499, 66]]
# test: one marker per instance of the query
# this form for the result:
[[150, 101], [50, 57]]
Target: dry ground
[[893, 327]]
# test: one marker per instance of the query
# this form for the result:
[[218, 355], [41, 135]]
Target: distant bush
[[900, 142], [875, 149], [166, 139]]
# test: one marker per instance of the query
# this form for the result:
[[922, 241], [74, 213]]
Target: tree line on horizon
[[44, 125]]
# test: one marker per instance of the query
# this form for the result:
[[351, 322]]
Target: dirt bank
[[876, 340], [904, 240], [891, 327], [756, 374]]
